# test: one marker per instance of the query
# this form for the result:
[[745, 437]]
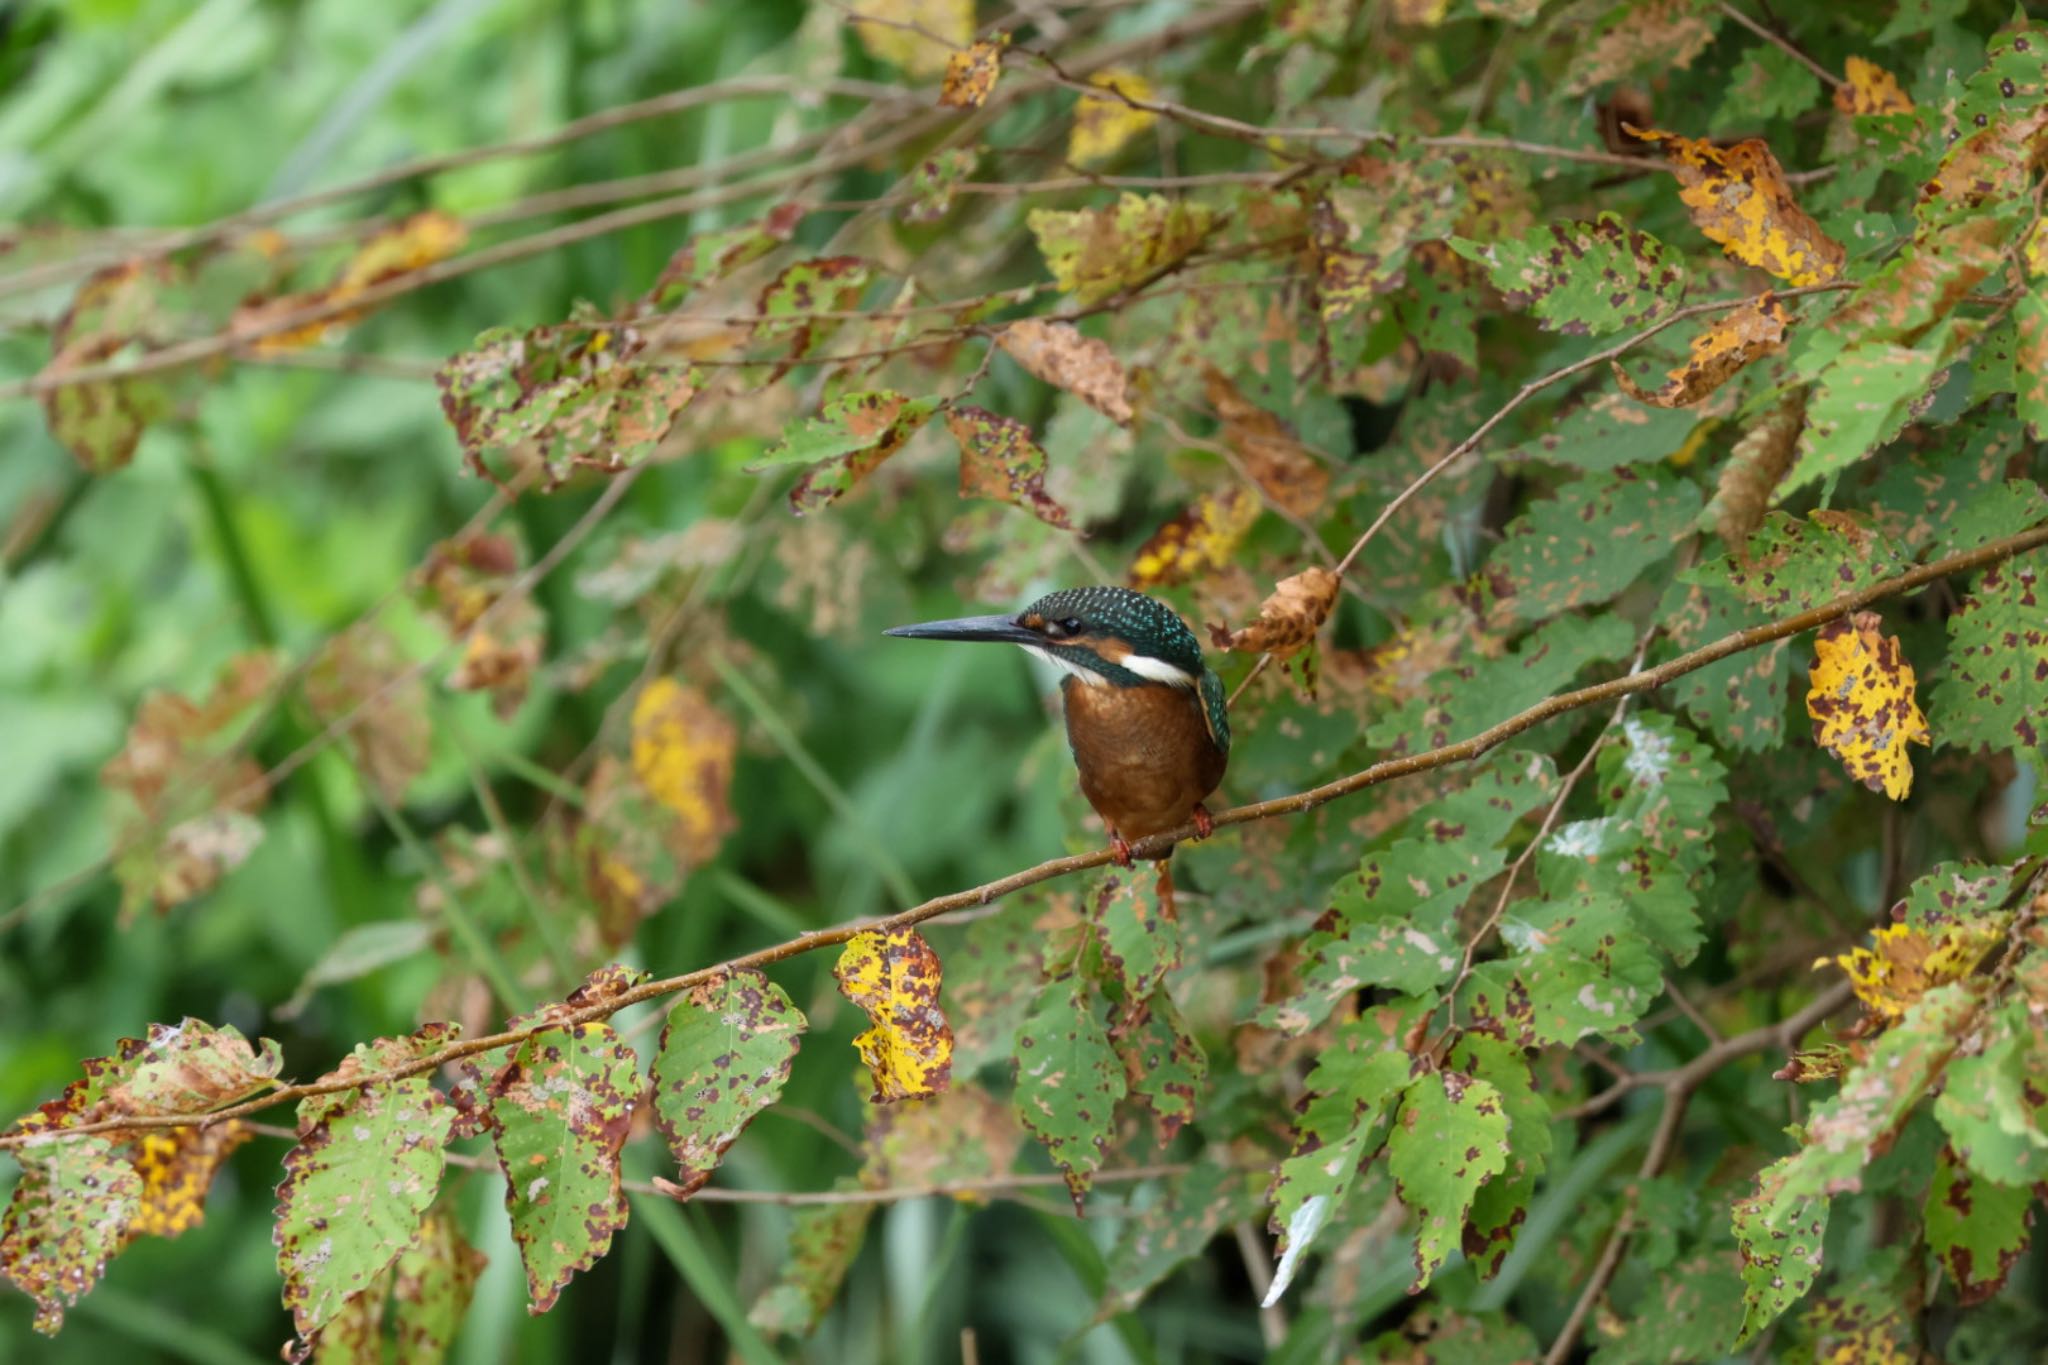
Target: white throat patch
[[1145, 666]]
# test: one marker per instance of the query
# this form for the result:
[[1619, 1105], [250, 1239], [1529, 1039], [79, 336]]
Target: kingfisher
[[1146, 717]]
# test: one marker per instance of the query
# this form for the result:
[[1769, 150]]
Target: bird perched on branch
[[1146, 718]]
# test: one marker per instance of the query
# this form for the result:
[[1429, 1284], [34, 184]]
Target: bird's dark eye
[[1071, 626]]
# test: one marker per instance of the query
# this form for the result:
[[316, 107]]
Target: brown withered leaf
[[1738, 196], [971, 72], [1057, 353], [1736, 340], [1754, 468], [115, 315], [1289, 619], [998, 459], [1199, 540], [362, 673], [1659, 34], [1868, 88], [412, 244], [464, 578], [1272, 454]]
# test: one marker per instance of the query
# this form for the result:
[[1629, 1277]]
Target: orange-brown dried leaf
[[684, 749], [413, 244], [362, 674], [1868, 88], [895, 978], [1738, 196], [1905, 961], [1272, 454], [1863, 705], [971, 72], [1057, 353], [1198, 541], [1735, 341], [1289, 619]]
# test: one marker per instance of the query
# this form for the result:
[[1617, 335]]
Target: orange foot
[[1205, 825], [1120, 849]]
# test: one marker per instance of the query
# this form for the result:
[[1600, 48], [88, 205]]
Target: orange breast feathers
[[1145, 754]]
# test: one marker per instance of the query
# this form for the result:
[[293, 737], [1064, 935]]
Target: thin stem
[[1784, 45]]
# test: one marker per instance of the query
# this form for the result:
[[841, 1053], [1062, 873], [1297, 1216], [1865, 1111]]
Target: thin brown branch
[[1388, 770], [1784, 45]]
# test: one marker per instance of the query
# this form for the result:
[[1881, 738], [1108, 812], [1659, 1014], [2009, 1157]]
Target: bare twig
[[1784, 45]]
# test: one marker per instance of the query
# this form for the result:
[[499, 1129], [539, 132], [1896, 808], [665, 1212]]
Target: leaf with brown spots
[[1198, 541], [1289, 619], [789, 303], [560, 1110], [177, 1166], [1999, 128], [114, 316], [1364, 228], [1863, 705], [1994, 1104], [895, 977], [464, 578], [1164, 1066], [725, 1055], [962, 1135], [1069, 1079], [1593, 539], [187, 798], [845, 443], [362, 673], [1580, 967], [1993, 690], [1737, 340], [711, 256], [367, 1165], [1781, 1257], [1450, 1136], [1272, 454], [1868, 88], [1095, 254], [999, 460], [971, 73], [1905, 961], [1978, 1230], [1057, 353], [67, 1218], [1139, 935], [1584, 278], [1739, 197], [1193, 1207], [1650, 35], [684, 749], [1866, 398], [189, 1068], [431, 1285]]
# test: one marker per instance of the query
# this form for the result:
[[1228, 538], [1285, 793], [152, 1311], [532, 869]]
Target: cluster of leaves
[[1450, 423]]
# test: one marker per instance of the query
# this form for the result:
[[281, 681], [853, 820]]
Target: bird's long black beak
[[996, 629]]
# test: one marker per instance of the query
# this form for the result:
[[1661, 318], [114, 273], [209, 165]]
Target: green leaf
[[710, 256], [1865, 398], [1069, 1079], [788, 303], [1607, 431], [1450, 1136], [1464, 700], [190, 1068], [1781, 1255], [1502, 1204], [1439, 311], [725, 1055], [70, 1211], [822, 1247], [847, 442], [1592, 540], [1791, 565], [1994, 1105], [431, 1287], [1741, 699], [1140, 941], [367, 1165], [1191, 1208], [1578, 967], [560, 1111], [1164, 1064], [1977, 1229], [1583, 277], [1352, 1091], [1769, 84], [1364, 228], [1690, 1312], [1455, 1339], [1994, 691], [1661, 780]]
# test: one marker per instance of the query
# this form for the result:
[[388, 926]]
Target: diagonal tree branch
[[1641, 680]]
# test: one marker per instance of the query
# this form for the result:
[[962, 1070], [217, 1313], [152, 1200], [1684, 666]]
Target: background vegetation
[[512, 475]]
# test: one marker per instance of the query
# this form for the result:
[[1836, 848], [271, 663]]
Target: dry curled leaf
[[1862, 703], [1290, 618], [971, 73], [1754, 468], [1057, 353], [1738, 196], [1740, 337], [1868, 88], [1272, 454]]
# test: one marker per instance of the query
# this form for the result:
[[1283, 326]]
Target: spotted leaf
[[410, 244], [1583, 277], [1163, 1064], [895, 977], [1866, 398], [1781, 1258], [1365, 228], [684, 749], [116, 315], [1057, 353], [1994, 1103], [1069, 1079], [1741, 337], [177, 1166], [1905, 961], [1450, 1136], [847, 442], [1095, 254], [823, 1243], [69, 1214], [1140, 939], [1978, 1230], [1593, 539], [1994, 689], [462, 580], [1194, 1206], [1739, 197], [1863, 705], [431, 1285], [1289, 619], [1868, 88], [725, 1056], [1579, 966], [971, 73], [367, 1165], [790, 304], [711, 256], [1198, 541], [1000, 460]]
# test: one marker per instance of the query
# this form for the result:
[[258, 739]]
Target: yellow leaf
[[894, 977], [1738, 196], [971, 73], [1868, 88], [1743, 335], [917, 37], [1862, 704], [1905, 962], [1200, 539], [177, 1166], [1103, 124], [1095, 253], [1289, 619], [683, 752], [413, 244]]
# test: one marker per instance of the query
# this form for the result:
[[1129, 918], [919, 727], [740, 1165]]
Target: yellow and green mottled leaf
[[1862, 701], [895, 977], [1586, 278], [1094, 254]]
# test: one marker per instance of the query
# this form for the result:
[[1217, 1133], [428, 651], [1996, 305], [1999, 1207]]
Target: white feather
[[1086, 675], [1158, 670]]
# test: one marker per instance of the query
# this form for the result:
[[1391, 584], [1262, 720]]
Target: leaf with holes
[[999, 460], [725, 1055], [1450, 1136], [1737, 340], [69, 1215], [894, 976], [1587, 278], [845, 443], [560, 1109], [1592, 539], [1739, 197], [1863, 705], [1069, 1079], [367, 1165], [1994, 690], [1095, 254], [1780, 1258]]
